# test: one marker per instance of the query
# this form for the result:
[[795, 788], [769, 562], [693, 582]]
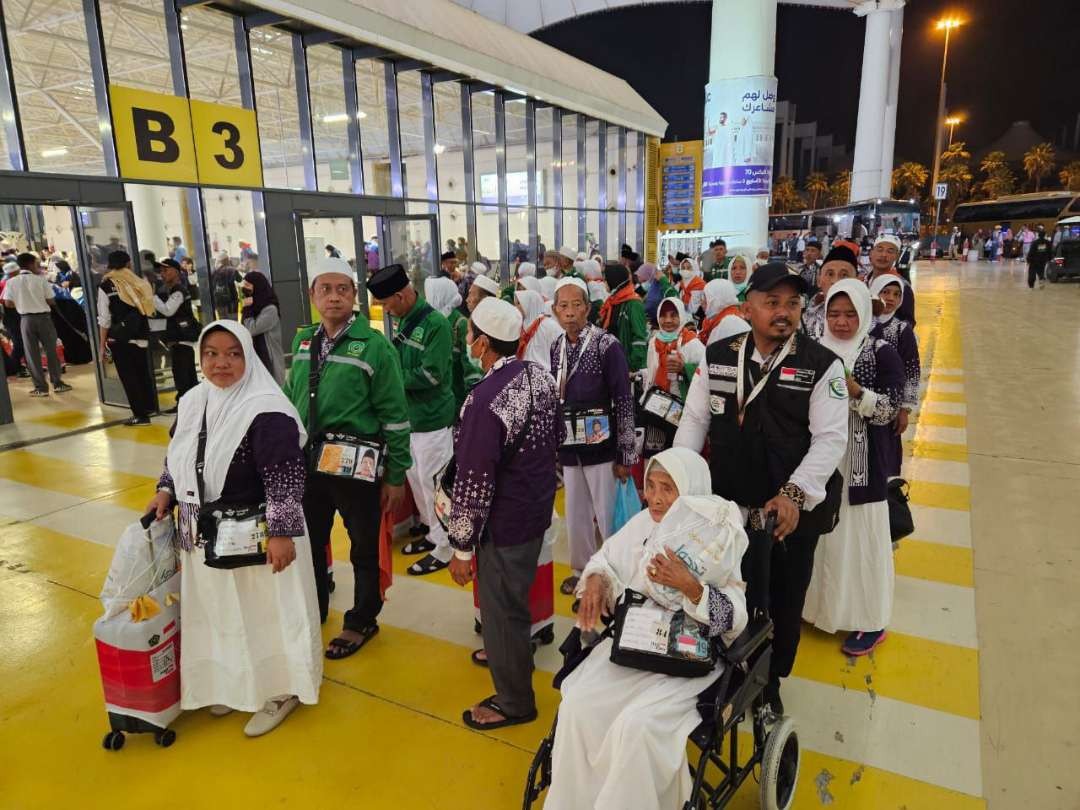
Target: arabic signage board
[[680, 185], [740, 121]]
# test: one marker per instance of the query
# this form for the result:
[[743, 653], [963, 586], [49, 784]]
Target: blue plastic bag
[[627, 504]]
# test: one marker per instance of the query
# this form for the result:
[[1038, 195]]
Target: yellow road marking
[[943, 496], [88, 482], [942, 396], [942, 419], [148, 434], [942, 451], [952, 565]]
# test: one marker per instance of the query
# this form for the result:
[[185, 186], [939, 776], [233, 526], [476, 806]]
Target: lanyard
[[564, 373], [766, 370]]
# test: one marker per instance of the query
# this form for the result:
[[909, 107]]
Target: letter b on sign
[[153, 135]]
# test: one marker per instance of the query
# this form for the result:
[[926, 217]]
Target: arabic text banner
[[740, 120]]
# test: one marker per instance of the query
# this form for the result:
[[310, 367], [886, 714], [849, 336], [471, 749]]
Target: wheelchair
[[735, 697]]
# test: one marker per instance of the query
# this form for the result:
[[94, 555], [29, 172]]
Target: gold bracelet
[[794, 493]]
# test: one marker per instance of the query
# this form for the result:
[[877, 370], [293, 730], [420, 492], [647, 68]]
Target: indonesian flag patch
[[803, 376]]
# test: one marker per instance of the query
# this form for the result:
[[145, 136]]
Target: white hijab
[[693, 272], [848, 350], [547, 287], [526, 270], [684, 317], [442, 294], [879, 284], [229, 413], [719, 294], [531, 283], [729, 327], [532, 305]]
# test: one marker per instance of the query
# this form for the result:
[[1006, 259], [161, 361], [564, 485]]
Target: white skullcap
[[487, 284], [526, 269], [890, 238], [590, 269], [478, 268], [568, 253], [498, 319], [570, 280], [330, 264]]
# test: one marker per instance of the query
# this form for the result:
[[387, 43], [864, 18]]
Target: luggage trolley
[[737, 695]]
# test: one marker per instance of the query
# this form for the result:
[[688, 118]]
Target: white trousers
[[430, 452], [590, 495]]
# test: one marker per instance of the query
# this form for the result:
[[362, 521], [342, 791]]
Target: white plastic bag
[[143, 560]]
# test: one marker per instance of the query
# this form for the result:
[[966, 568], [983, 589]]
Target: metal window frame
[[352, 109], [531, 178], [469, 167], [303, 108], [640, 190], [500, 170], [99, 71], [601, 185], [557, 174], [393, 126], [431, 169], [622, 186], [9, 108], [582, 182], [246, 79]]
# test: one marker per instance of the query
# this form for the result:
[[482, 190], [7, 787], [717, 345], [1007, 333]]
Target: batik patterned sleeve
[[617, 378], [477, 449], [880, 373], [908, 348], [275, 446], [721, 612], [166, 479]]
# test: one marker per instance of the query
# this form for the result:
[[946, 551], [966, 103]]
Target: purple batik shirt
[[507, 496], [596, 378]]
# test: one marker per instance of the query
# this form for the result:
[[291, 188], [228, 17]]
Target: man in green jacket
[[359, 393], [424, 343], [719, 263], [623, 315]]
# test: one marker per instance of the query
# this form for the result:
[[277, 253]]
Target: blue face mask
[[667, 337]]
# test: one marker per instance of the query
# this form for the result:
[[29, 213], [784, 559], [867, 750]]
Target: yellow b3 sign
[[163, 137]]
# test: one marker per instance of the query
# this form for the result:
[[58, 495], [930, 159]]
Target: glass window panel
[[53, 83], [631, 171], [374, 137], [633, 238], [452, 226], [275, 101], [449, 157], [230, 225], [329, 120], [592, 232], [487, 179], [592, 164], [611, 171], [516, 152], [569, 162], [136, 49], [518, 230], [210, 55], [411, 122], [613, 243], [545, 229], [487, 235], [545, 159], [570, 228]]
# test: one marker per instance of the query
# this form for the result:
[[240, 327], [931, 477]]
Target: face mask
[[475, 362], [667, 337]]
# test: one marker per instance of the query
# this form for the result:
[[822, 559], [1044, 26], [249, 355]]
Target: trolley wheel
[[113, 741], [780, 766], [165, 738], [546, 636]]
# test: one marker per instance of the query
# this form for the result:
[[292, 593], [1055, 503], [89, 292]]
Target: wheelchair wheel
[[780, 766]]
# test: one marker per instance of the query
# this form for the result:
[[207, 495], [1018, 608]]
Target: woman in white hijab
[[444, 297], [852, 584], [538, 329], [547, 289], [620, 741], [674, 349], [531, 283], [692, 286], [251, 639], [899, 334], [721, 301]]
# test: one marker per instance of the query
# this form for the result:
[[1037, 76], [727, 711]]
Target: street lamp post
[[951, 122], [946, 25]]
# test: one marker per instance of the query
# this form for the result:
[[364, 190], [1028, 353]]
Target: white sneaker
[[218, 710], [270, 715]]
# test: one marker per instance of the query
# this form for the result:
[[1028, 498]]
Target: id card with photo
[[597, 429], [367, 468], [337, 459]]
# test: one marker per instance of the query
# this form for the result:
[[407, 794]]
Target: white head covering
[[533, 305], [564, 282], [891, 239], [590, 269], [687, 469], [720, 294], [729, 327], [694, 270], [879, 284], [442, 294], [229, 413], [568, 253], [498, 319], [581, 256], [488, 285], [548, 285], [598, 291], [478, 268], [848, 350], [330, 264], [526, 270], [675, 301], [532, 283]]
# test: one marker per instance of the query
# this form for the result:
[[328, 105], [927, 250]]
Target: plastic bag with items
[[145, 557]]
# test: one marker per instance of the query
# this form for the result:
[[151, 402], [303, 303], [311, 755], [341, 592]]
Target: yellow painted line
[[69, 420], [147, 434], [945, 378], [937, 562], [942, 496], [942, 419], [913, 670], [942, 451], [942, 396], [71, 561], [69, 477]]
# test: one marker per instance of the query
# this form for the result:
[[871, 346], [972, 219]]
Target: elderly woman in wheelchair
[[627, 709]]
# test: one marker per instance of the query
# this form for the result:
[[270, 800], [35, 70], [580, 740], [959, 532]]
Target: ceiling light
[[360, 115], [439, 149], [335, 118], [58, 152]]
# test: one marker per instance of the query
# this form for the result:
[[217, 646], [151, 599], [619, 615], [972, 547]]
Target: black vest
[[181, 325], [128, 323], [751, 463]]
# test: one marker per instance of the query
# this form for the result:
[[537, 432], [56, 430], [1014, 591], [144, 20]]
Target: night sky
[[1013, 60]]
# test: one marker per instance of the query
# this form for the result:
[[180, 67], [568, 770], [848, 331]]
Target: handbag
[[901, 523], [651, 638], [443, 500], [234, 536]]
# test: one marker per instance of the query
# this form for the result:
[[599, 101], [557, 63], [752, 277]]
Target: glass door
[[102, 230], [413, 242], [319, 236]]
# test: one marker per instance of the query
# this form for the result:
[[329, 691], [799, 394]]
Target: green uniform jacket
[[508, 294], [633, 333], [718, 270], [465, 374], [426, 367], [360, 391]]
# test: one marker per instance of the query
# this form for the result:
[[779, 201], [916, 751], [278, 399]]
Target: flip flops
[[508, 720]]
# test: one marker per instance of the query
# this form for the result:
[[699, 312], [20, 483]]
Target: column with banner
[[680, 186], [740, 122]]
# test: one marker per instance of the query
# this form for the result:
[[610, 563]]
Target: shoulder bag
[[654, 639]]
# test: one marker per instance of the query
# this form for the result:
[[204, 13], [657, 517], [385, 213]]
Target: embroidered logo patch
[[355, 348], [418, 333], [797, 375], [716, 404], [837, 388], [305, 345], [723, 371]]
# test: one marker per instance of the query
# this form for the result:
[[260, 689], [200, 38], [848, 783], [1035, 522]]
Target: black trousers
[[1035, 271], [792, 565], [183, 368], [133, 368], [358, 504]]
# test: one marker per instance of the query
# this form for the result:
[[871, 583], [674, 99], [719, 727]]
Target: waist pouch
[[654, 639], [588, 430], [344, 455], [444, 488], [234, 536]]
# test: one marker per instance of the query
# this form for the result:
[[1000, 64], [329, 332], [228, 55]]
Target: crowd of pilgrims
[[721, 389]]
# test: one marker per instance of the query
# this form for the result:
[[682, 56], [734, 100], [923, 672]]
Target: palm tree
[[909, 180], [817, 185], [840, 188], [785, 197], [1039, 162], [1000, 179], [1070, 175], [956, 171]]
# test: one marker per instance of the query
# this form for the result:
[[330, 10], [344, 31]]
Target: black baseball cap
[[169, 263], [769, 275]]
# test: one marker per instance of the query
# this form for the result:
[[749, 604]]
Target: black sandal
[[428, 565], [419, 530], [421, 546], [476, 659], [347, 647], [489, 703], [569, 585]]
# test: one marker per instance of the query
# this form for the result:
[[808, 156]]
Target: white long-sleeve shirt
[[828, 428]]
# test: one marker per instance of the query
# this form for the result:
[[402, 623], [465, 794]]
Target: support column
[[888, 140], [743, 220], [866, 174]]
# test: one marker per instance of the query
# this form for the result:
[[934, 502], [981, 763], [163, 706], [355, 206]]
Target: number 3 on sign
[[226, 144]]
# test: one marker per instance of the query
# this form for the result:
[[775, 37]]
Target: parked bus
[[1043, 208], [854, 221]]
